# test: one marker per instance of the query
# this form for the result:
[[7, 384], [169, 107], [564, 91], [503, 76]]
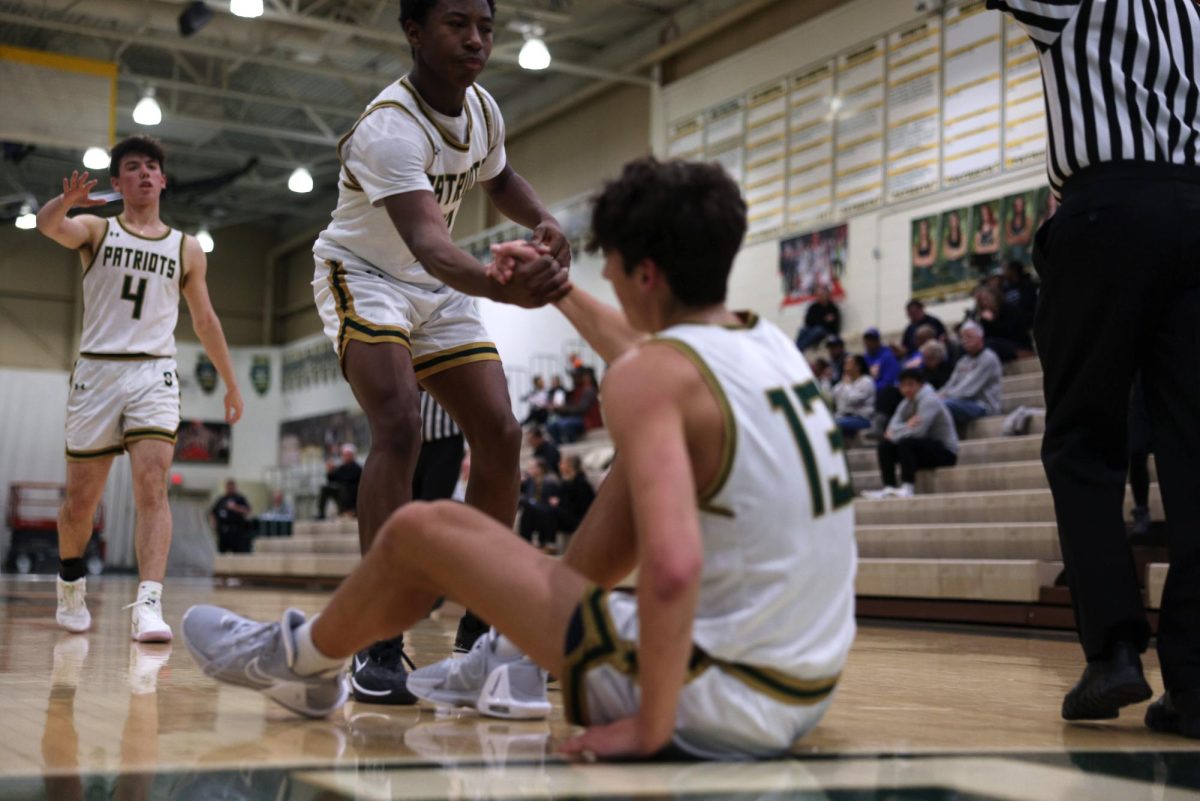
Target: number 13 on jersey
[[840, 494]]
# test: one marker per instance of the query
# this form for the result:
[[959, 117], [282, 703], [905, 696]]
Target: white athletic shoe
[[72, 613], [513, 688], [880, 494], [147, 624], [903, 491]]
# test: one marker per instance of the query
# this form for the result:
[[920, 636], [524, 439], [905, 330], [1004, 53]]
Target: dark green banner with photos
[[954, 250]]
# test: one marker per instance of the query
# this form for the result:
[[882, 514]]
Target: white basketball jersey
[[777, 524], [455, 151], [131, 294]]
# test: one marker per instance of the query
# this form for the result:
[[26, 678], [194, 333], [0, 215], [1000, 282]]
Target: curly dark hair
[[141, 144], [418, 10], [687, 217]]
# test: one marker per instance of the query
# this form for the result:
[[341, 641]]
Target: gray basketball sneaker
[[500, 687], [236, 650]]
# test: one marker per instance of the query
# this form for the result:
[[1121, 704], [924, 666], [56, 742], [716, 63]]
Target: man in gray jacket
[[974, 387], [920, 436]]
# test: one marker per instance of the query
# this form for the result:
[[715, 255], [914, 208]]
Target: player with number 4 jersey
[[124, 391]]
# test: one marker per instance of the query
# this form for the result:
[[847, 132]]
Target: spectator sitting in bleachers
[[539, 403], [822, 319], [575, 494], [920, 436], [543, 448], [1018, 291], [539, 493], [837, 358], [1002, 331], [279, 510], [823, 373], [229, 516], [973, 390], [854, 397], [884, 370], [924, 334], [936, 363], [341, 483], [581, 412], [917, 318], [557, 394]]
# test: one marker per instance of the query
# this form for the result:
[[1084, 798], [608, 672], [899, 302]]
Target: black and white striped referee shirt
[[1121, 79], [436, 423]]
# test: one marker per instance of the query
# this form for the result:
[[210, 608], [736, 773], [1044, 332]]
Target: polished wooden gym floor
[[922, 713]]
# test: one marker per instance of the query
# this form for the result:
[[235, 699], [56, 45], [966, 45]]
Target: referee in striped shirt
[[1120, 270], [441, 454]]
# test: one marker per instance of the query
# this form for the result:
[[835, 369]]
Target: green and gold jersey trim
[[350, 325], [121, 357], [730, 434], [439, 362], [487, 118], [126, 229], [447, 135], [99, 453], [350, 182], [597, 643], [100, 246], [138, 434]]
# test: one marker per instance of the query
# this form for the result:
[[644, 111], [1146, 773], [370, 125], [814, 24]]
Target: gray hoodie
[[976, 378], [936, 422]]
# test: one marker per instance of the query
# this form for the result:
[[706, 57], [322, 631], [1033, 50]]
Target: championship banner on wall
[[813, 260], [956, 249]]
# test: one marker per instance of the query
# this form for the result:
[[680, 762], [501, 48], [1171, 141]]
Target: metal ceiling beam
[[250, 97], [248, 128]]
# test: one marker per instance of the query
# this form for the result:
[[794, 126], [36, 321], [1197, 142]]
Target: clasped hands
[[529, 274]]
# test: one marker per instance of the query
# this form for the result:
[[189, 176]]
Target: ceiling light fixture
[[96, 158], [246, 8], [300, 181], [147, 111], [205, 239], [534, 54], [27, 219]]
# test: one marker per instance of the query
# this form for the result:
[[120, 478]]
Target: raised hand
[[529, 276], [233, 405], [76, 190], [549, 236]]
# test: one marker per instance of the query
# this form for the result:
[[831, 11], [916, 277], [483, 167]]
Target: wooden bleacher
[[978, 543]]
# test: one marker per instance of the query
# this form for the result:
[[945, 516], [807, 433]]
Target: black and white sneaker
[[378, 675], [470, 629]]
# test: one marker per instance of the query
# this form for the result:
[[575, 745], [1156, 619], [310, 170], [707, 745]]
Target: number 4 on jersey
[[136, 297], [840, 494]]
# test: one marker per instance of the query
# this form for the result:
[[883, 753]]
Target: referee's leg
[[1172, 384], [1096, 265]]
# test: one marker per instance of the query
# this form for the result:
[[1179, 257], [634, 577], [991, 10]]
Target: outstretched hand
[[616, 739], [529, 274], [76, 190]]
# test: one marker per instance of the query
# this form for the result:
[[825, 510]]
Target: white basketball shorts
[[726, 710], [114, 402], [440, 326]]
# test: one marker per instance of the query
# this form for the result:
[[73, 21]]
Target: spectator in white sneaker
[[920, 436], [973, 390]]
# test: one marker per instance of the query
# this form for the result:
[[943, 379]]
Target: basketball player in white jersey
[[124, 389], [730, 496], [394, 291]]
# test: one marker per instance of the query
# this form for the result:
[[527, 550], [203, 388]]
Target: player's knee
[[500, 439], [76, 508], [396, 432], [405, 526]]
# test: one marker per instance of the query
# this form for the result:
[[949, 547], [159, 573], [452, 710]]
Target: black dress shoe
[[1176, 713], [1107, 685]]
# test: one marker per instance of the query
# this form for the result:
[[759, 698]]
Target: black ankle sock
[[71, 569]]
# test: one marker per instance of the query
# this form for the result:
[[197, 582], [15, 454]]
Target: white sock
[[309, 659], [506, 648], [153, 589]]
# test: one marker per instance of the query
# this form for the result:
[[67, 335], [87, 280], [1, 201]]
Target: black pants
[[1140, 446], [233, 537], [913, 454], [437, 469], [1120, 270], [345, 497]]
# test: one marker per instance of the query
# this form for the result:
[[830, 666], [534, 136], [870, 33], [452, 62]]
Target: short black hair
[[536, 431], [861, 361], [141, 144], [687, 217], [418, 10], [914, 302], [914, 373]]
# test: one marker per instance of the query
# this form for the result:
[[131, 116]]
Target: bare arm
[[644, 397], [603, 327], [516, 200], [207, 326], [418, 219], [71, 232]]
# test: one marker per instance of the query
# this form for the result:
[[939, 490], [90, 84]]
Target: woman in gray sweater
[[854, 396]]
